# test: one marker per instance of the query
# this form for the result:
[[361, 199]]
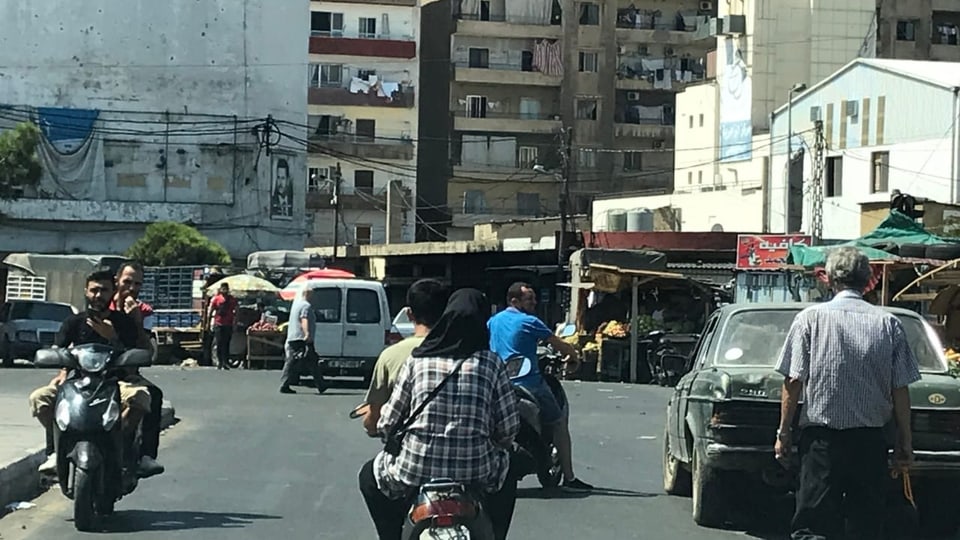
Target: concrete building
[[148, 112], [608, 70], [363, 116], [888, 125]]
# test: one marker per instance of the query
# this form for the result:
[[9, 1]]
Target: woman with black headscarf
[[463, 434]]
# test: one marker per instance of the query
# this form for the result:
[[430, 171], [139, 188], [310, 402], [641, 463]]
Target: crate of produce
[[264, 346]]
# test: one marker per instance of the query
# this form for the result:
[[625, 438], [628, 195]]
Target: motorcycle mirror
[[135, 358], [50, 358], [518, 366]]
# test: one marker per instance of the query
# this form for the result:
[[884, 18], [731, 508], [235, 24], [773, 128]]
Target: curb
[[20, 480]]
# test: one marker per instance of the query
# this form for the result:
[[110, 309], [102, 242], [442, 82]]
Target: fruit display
[[614, 329], [262, 326], [647, 324], [953, 361], [592, 346]]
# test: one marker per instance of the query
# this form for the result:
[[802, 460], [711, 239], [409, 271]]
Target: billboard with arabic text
[[767, 251]]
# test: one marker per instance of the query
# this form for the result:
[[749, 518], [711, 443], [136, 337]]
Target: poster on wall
[[281, 189], [767, 251], [736, 103]]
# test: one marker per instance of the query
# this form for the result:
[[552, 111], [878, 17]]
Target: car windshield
[[754, 338], [39, 311]]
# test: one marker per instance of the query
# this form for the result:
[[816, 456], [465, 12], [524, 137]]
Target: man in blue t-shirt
[[517, 331]]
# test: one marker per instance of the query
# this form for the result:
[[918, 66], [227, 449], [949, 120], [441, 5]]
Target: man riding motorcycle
[[98, 324], [517, 331]]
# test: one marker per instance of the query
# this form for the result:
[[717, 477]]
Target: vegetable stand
[[265, 349]]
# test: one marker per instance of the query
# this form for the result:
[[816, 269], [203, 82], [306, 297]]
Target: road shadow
[[558, 493], [133, 521]]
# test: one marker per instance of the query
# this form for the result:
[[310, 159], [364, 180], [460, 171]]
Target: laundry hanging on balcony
[[548, 58], [383, 89]]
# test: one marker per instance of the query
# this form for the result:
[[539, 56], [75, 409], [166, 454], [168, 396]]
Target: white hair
[[848, 268]]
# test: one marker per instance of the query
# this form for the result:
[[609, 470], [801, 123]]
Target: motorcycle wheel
[[550, 472], [84, 515]]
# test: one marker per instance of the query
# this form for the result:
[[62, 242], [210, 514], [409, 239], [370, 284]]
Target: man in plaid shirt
[[463, 434]]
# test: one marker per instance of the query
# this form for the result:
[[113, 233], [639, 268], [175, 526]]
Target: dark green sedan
[[722, 418]]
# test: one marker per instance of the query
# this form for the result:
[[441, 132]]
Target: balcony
[[379, 46], [503, 74], [349, 200], [516, 27], [646, 73], [507, 122], [642, 26], [403, 98], [362, 146], [649, 130]]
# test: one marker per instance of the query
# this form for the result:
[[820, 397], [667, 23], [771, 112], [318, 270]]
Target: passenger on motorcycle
[[98, 324], [463, 434], [517, 331]]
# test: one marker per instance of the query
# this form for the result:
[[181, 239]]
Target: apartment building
[[919, 30], [363, 120], [607, 70]]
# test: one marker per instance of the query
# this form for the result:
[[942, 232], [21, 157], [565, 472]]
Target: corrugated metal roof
[[946, 74]]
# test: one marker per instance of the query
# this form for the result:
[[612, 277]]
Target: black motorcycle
[[96, 463], [535, 440]]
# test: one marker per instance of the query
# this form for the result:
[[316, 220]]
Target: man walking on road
[[223, 311], [851, 363], [426, 300], [298, 349]]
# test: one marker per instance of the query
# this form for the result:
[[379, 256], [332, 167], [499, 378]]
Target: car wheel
[[708, 495], [6, 357], [676, 479]]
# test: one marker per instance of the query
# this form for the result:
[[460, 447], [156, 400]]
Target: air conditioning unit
[[853, 109], [642, 50], [621, 50], [668, 51], [657, 144], [633, 96], [706, 5]]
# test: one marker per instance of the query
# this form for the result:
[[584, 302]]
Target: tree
[[174, 244], [19, 165]]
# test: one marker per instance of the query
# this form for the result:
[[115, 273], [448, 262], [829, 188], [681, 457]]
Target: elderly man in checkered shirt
[[852, 364]]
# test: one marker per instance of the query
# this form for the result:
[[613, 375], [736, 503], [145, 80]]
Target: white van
[[353, 325]]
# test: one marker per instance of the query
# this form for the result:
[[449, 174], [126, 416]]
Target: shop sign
[[767, 251]]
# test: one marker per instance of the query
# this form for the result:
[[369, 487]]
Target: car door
[[682, 391], [328, 307], [364, 321]]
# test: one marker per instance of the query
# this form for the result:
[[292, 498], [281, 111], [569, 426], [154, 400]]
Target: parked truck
[[54, 278]]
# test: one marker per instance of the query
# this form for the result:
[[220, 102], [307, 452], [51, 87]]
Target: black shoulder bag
[[395, 438]]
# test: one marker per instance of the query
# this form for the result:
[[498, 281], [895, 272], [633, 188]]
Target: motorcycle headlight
[[63, 415], [26, 336], [111, 415], [91, 361]]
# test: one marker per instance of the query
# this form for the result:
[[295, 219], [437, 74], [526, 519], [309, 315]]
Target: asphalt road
[[248, 462]]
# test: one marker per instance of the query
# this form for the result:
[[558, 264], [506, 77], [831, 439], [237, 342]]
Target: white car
[[402, 324]]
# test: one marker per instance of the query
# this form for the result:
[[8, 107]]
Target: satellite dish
[[716, 228]]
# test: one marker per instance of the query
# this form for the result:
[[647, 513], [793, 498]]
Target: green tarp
[[897, 229]]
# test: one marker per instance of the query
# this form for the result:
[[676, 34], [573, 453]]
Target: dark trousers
[[150, 429], [388, 514], [224, 333], [842, 478], [300, 357]]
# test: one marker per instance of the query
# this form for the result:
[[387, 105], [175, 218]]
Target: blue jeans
[[550, 412]]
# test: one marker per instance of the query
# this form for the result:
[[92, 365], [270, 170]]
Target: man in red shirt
[[223, 311], [129, 281]]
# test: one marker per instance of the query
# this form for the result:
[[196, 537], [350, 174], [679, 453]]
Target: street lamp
[[797, 88]]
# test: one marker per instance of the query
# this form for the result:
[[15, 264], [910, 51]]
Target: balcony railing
[[365, 146], [488, 65], [507, 115], [537, 21], [359, 35], [333, 94]]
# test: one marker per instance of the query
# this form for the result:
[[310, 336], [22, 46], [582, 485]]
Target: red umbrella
[[290, 291]]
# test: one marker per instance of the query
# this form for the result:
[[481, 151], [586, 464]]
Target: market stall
[[259, 311], [627, 305]]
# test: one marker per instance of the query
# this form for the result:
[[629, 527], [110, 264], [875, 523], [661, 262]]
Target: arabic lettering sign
[[767, 251]]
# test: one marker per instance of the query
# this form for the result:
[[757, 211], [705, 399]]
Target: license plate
[[446, 533], [345, 363]]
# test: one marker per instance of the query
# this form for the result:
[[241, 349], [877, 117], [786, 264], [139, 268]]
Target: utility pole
[[566, 138], [816, 224], [336, 211]]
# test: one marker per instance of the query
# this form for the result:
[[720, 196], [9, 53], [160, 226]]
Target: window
[[526, 61], [362, 234], [325, 23], [691, 121], [316, 179], [367, 129], [331, 75], [907, 30], [588, 62], [474, 202], [880, 175], [363, 305], [589, 14], [526, 157], [701, 120], [690, 178], [528, 204], [834, 185], [363, 181], [39, 311], [368, 27], [945, 33], [484, 10], [476, 106], [365, 74], [479, 58], [327, 301], [699, 177], [631, 161], [586, 109], [586, 159]]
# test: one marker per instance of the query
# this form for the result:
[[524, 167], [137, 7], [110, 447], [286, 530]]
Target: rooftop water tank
[[640, 219], [616, 221]]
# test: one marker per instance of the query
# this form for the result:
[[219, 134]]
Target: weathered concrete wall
[[201, 60]]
